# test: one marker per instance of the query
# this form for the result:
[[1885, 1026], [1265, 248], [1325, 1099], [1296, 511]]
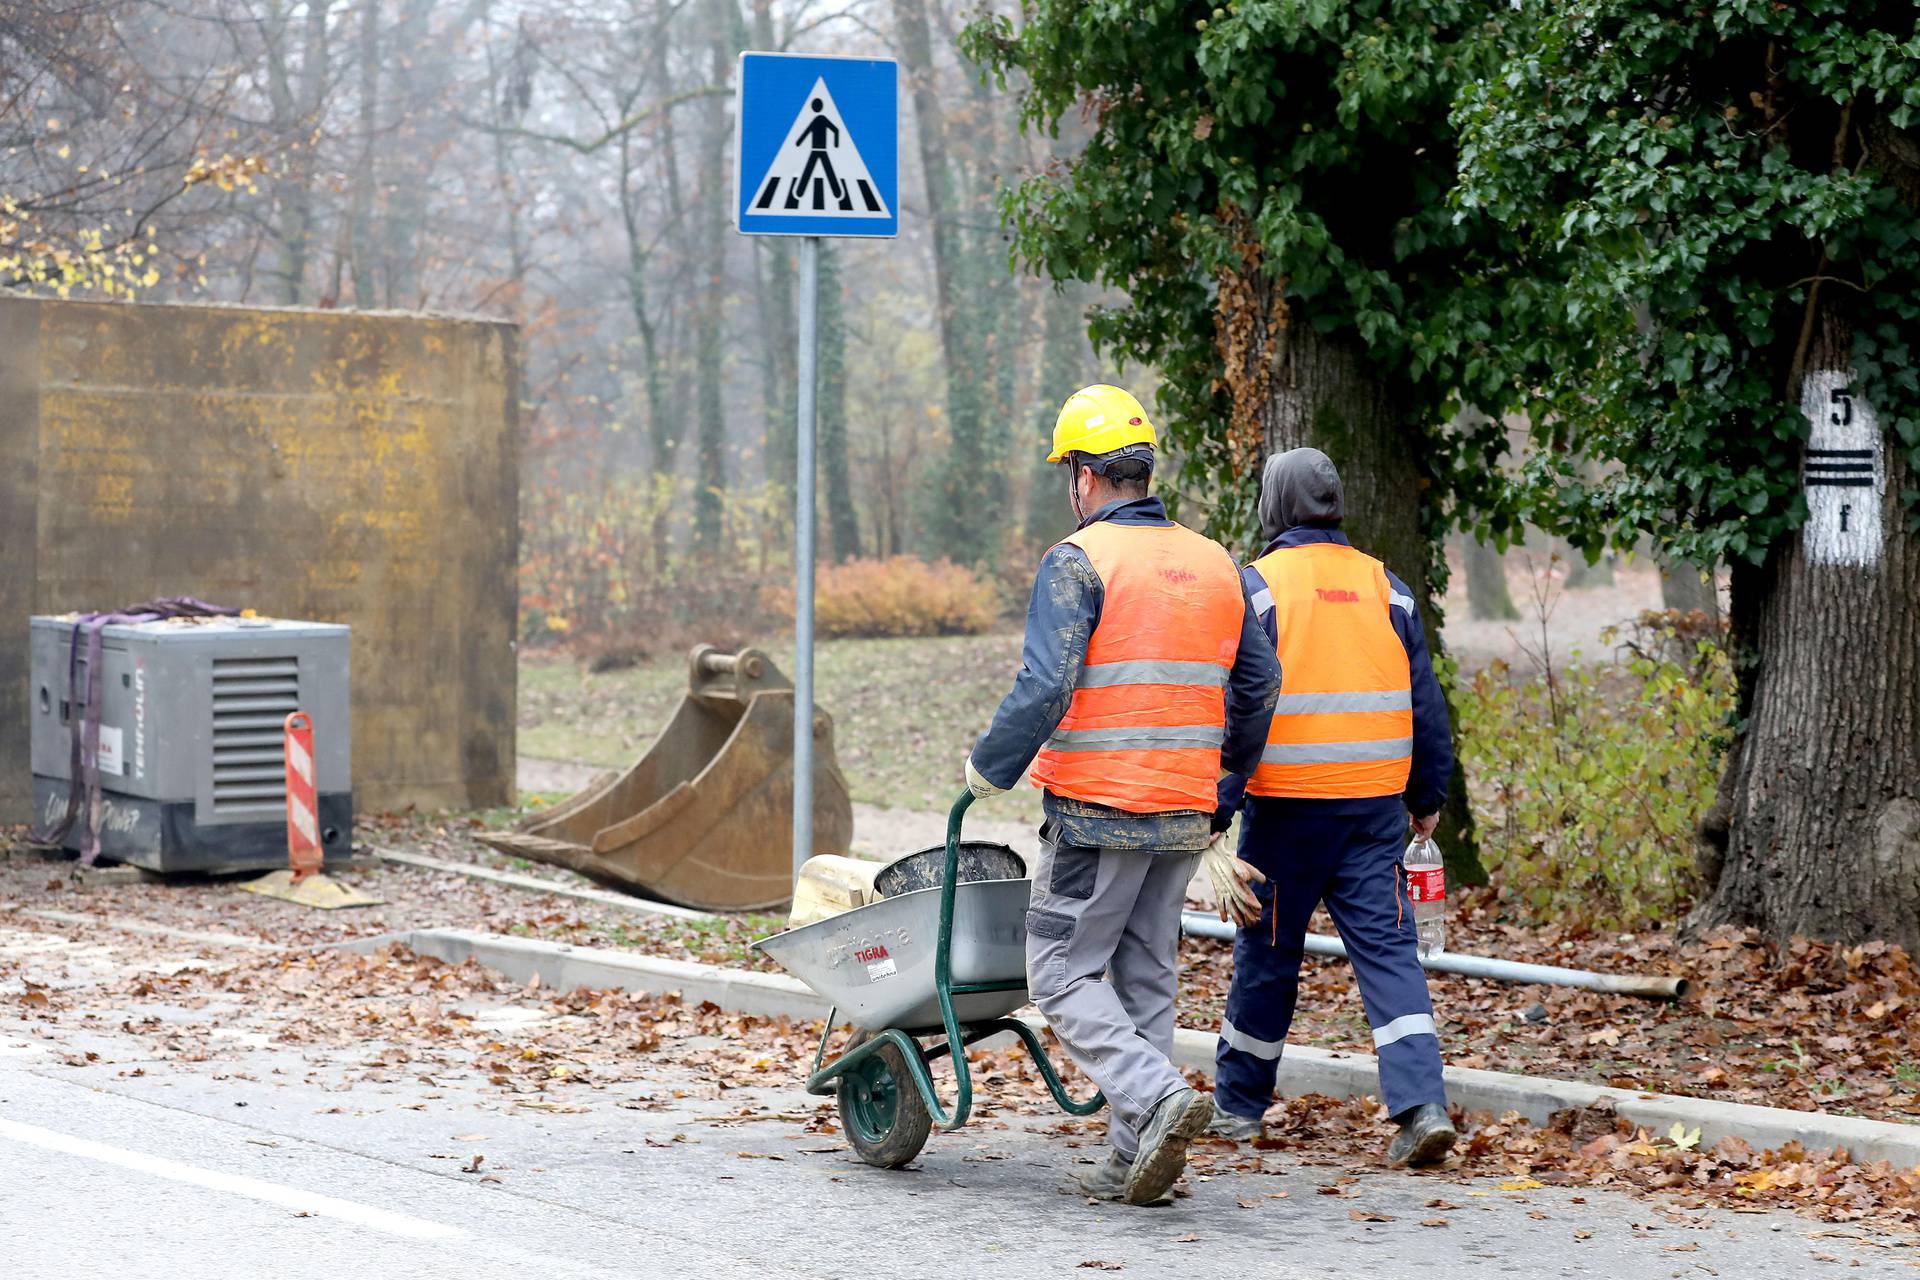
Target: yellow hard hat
[[1100, 419]]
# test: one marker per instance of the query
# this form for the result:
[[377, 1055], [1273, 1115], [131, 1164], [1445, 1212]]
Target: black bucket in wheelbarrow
[[979, 860]]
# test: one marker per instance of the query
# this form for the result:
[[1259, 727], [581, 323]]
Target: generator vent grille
[[252, 698]]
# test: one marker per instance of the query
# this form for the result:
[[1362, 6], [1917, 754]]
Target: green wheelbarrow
[[935, 964]]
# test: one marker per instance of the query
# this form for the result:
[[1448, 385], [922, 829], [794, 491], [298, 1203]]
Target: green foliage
[[1303, 140], [1589, 782], [1675, 181]]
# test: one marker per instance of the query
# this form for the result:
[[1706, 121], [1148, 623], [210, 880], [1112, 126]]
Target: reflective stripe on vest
[[1343, 724], [1148, 717]]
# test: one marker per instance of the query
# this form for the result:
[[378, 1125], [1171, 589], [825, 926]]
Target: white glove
[[1233, 881], [978, 784]]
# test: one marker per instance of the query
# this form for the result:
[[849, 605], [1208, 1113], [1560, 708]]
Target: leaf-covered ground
[[1812, 1028], [344, 1020]]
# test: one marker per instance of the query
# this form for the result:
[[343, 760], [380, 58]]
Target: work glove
[[978, 784], [1233, 880]]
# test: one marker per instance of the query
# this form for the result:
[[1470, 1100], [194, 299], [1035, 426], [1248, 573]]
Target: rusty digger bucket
[[703, 818]]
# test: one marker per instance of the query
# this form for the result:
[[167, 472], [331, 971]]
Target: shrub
[[607, 568], [1589, 783], [900, 596]]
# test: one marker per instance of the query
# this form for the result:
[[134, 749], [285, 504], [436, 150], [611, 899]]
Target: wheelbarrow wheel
[[881, 1109]]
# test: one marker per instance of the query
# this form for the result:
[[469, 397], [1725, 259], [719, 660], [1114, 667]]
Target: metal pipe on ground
[[1647, 986]]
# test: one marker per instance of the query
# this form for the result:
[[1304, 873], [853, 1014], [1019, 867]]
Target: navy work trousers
[[1348, 854]]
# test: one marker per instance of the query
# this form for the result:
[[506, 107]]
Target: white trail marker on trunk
[[1845, 472]]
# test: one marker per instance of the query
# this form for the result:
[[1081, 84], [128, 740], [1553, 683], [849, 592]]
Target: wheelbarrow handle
[[943, 967], [950, 873]]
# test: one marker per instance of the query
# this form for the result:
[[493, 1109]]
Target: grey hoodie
[[1300, 486]]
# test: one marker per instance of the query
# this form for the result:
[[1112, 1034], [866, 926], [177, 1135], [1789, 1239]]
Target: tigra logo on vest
[[1177, 574], [1336, 595]]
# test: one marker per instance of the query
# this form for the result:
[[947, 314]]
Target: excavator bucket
[[703, 818]]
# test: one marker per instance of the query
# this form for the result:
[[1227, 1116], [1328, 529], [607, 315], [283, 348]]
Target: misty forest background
[[568, 165]]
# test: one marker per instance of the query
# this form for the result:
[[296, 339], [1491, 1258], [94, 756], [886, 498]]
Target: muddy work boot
[[1425, 1137], [1108, 1179], [1238, 1128], [1177, 1120]]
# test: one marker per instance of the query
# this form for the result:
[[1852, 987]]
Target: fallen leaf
[[1681, 1138], [1369, 1215], [1097, 1265], [473, 1165], [1522, 1184], [1433, 1222]]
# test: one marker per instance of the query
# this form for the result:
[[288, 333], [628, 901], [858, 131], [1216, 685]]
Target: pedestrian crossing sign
[[817, 146]]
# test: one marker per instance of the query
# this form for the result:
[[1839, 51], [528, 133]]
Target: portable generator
[[190, 748]]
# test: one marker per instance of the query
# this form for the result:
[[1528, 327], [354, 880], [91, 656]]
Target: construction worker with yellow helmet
[[1144, 673]]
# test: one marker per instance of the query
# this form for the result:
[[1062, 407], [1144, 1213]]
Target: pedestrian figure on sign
[[814, 137]]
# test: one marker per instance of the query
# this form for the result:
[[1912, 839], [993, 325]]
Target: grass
[[905, 712]]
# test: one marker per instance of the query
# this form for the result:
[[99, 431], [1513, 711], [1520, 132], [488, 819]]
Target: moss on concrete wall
[[342, 467]]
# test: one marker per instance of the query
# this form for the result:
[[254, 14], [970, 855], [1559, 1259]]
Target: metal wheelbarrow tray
[[945, 963]]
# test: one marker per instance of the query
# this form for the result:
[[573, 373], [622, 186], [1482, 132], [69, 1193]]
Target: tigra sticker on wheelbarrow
[[879, 963], [944, 954]]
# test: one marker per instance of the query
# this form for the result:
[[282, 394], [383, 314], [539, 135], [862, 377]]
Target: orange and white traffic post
[[303, 881], [303, 800]]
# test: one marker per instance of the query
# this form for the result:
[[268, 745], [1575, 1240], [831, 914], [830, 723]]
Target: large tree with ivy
[[1266, 182], [1713, 285]]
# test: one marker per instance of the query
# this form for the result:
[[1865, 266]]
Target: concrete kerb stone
[[559, 965], [534, 884], [1302, 1069]]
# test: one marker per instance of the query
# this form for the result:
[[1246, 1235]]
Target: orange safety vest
[[1343, 726], [1149, 712]]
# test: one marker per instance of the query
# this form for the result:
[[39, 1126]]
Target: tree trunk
[[365, 179], [843, 522], [1817, 830], [1321, 392], [1687, 588], [777, 317], [296, 116], [1581, 574], [968, 298], [1063, 361], [709, 395], [1488, 599], [429, 64]]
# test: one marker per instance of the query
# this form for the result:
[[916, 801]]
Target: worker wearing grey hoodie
[[1359, 749]]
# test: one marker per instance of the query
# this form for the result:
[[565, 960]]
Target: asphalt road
[[283, 1162]]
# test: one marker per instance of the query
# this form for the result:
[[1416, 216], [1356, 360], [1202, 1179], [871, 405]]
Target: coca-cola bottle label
[[1427, 884]]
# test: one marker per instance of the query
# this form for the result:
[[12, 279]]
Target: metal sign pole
[[803, 560]]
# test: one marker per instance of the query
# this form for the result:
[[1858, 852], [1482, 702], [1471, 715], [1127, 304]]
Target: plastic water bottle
[[1427, 890]]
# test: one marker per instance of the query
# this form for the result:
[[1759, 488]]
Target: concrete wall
[[337, 466]]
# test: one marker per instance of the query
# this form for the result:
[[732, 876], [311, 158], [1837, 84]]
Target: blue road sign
[[817, 146]]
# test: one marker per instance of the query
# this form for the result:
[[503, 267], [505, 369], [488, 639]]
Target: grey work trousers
[[1103, 945]]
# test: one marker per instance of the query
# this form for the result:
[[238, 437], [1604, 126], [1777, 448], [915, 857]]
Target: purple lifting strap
[[83, 767]]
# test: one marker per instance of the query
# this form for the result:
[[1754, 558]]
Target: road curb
[[534, 884], [1303, 1069]]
